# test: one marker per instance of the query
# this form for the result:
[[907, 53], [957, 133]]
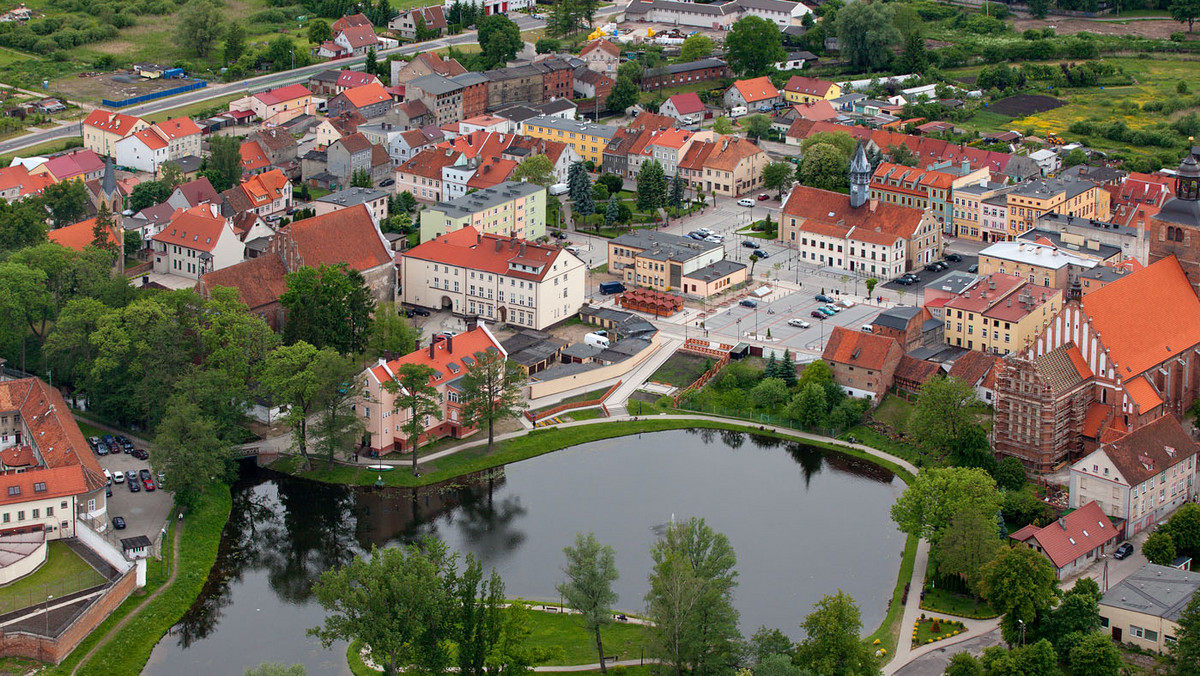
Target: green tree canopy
[[148, 193], [591, 569], [695, 47], [778, 176], [937, 494], [319, 31], [492, 392], [1020, 583], [1159, 548], [624, 93], [535, 169], [866, 34], [189, 451], [832, 644], [328, 306], [969, 542], [652, 186], [499, 40], [200, 25], [415, 396], [945, 410], [1185, 11], [753, 46], [825, 167]]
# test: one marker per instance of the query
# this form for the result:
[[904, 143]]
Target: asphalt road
[[261, 83]]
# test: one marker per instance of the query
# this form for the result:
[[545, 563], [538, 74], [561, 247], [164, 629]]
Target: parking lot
[[773, 313], [926, 276], [144, 512]]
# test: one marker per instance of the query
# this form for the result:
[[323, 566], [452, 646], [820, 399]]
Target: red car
[[148, 484], [763, 197]]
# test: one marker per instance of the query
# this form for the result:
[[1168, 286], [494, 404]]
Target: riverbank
[[127, 650]]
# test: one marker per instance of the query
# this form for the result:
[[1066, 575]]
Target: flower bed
[[933, 629]]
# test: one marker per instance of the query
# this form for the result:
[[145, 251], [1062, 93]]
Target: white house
[[143, 150], [195, 242], [1047, 160]]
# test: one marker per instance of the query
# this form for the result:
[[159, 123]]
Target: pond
[[804, 523]]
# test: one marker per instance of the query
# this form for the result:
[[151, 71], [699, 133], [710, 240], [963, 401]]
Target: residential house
[[728, 166], [266, 194], [1074, 542], [410, 115], [913, 327], [1139, 479], [971, 204], [676, 74], [561, 155], [474, 93], [449, 359], [589, 140], [330, 83], [795, 61], [354, 41], [602, 56], [1134, 371], [343, 236], [685, 108], [508, 209], [590, 84], [421, 174], [999, 313], [196, 241], [928, 190], [148, 148], [494, 276], [441, 96], [558, 79], [82, 164], [800, 89], [1040, 261], [277, 106], [978, 370], [666, 262], [1144, 608], [400, 145], [17, 183], [369, 100], [254, 158], [279, 148], [102, 129], [193, 193], [629, 141], [376, 202], [431, 21], [425, 63], [1081, 199], [333, 128], [863, 364], [756, 94], [355, 153]]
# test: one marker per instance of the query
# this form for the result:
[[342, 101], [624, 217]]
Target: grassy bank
[[888, 633], [128, 650]]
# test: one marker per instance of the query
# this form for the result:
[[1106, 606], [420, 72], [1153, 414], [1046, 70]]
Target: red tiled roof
[[1079, 532], [1145, 317], [253, 157], [17, 176], [442, 66], [1025, 533], [916, 370], [1094, 420], [490, 172], [360, 36], [113, 123], [428, 163], [350, 79], [343, 236], [687, 103], [1150, 449], [816, 111], [858, 348], [366, 95], [18, 456], [78, 236], [283, 94], [756, 89], [807, 85], [265, 187], [259, 281], [354, 143], [447, 356], [52, 429], [814, 204], [1142, 393], [466, 248], [55, 482], [177, 127], [603, 45], [729, 152], [150, 139], [350, 20], [194, 228], [971, 367]]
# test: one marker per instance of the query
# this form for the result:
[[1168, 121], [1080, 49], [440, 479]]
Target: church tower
[[110, 197], [860, 178], [1175, 229]]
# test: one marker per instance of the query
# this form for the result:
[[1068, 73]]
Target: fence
[[535, 416], [704, 377], [199, 84]]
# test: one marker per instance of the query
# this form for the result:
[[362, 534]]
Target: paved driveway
[[773, 314], [144, 512], [934, 663]]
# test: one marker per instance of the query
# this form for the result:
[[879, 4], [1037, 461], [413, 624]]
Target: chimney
[[417, 344], [1062, 523], [431, 348], [450, 344]]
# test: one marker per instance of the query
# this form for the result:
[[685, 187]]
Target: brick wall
[[21, 644]]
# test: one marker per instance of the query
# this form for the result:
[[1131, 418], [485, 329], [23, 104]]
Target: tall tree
[[479, 617], [1020, 583], [937, 494], [319, 31], [535, 169], [413, 394], [695, 47], [691, 598], [328, 306], [579, 184], [825, 167], [1159, 548], [678, 185], [491, 391], [778, 176], [756, 126], [1186, 651], [832, 645], [24, 224], [371, 64], [1185, 11], [624, 93], [499, 40], [224, 164], [866, 34], [945, 411], [103, 236], [391, 333], [301, 377], [753, 46], [338, 428], [652, 186], [200, 25], [67, 201], [591, 570], [612, 212], [170, 174], [1095, 655], [969, 543], [235, 42], [361, 178], [148, 193], [1184, 529], [809, 406], [188, 449]]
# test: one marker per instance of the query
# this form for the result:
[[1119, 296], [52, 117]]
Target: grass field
[[565, 632], [680, 369], [193, 109], [63, 573], [944, 601], [42, 149]]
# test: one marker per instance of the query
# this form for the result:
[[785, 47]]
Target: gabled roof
[[466, 248], [52, 430], [916, 370], [283, 94], [1075, 534], [1142, 393], [687, 103], [112, 123], [178, 127], [1150, 449], [253, 157], [353, 143], [858, 348], [756, 89], [350, 20], [491, 171], [78, 236], [1063, 368], [602, 45], [1167, 314], [359, 36], [831, 207], [77, 163], [259, 281], [350, 79], [344, 236], [366, 95], [807, 85], [194, 228], [449, 358], [729, 151], [265, 187], [429, 162], [972, 367], [18, 176], [441, 65]]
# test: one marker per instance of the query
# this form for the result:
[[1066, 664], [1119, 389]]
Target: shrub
[[1178, 36]]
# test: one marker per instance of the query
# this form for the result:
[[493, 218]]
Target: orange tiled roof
[[265, 187], [466, 248], [366, 95], [113, 123], [428, 163], [78, 236], [814, 204], [52, 428], [344, 236], [195, 228], [55, 482], [491, 172], [807, 85], [1146, 317], [178, 127], [756, 89], [729, 152], [1142, 393], [1082, 531], [150, 139], [253, 157], [857, 348], [444, 356]]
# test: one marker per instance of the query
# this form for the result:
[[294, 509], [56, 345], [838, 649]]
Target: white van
[[559, 189], [737, 111], [596, 340]]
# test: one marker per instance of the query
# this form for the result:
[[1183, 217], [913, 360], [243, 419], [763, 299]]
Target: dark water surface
[[804, 523]]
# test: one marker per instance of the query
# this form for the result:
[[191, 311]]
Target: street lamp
[[739, 327], [162, 556]]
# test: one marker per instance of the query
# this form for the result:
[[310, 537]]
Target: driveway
[[934, 663], [144, 512]]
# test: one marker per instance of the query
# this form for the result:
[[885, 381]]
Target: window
[[1136, 631], [36, 513], [14, 490], [20, 515], [50, 511], [39, 487]]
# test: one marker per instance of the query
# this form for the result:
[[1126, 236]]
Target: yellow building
[[1144, 608], [1072, 197], [1039, 262], [102, 130], [807, 89], [998, 313], [589, 140], [508, 209]]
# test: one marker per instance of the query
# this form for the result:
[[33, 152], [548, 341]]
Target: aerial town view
[[580, 337]]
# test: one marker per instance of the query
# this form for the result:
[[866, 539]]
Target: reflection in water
[[283, 533]]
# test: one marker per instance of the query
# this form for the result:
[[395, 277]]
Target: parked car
[[132, 476], [835, 308], [695, 235], [144, 474], [416, 312], [954, 258], [95, 442], [932, 267], [761, 254], [386, 182], [748, 302], [745, 202], [799, 323], [763, 197], [118, 478], [940, 265], [148, 484], [826, 311], [108, 491], [140, 454], [1123, 551], [118, 523], [133, 486], [749, 244], [822, 298], [704, 231], [715, 239], [573, 250], [560, 235], [102, 449], [608, 288], [906, 281], [817, 314], [107, 439], [973, 269]]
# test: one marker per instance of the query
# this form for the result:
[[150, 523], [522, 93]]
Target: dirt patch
[[1025, 104], [110, 86], [1155, 29], [572, 333]]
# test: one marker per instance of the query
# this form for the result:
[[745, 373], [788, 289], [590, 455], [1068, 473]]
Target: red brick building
[[558, 79], [863, 364], [1175, 229], [676, 74]]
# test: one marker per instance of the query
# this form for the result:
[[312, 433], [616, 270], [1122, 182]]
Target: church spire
[[1187, 181], [860, 177]]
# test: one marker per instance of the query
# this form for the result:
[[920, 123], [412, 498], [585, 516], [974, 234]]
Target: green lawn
[[42, 149], [551, 630], [946, 628], [681, 369], [63, 573], [888, 632], [194, 109], [866, 435], [950, 603], [894, 412], [90, 430], [584, 414]]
